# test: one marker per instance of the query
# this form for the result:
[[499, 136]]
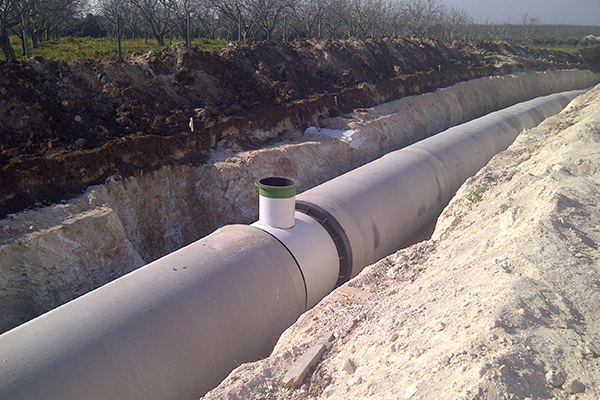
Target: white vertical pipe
[[277, 201]]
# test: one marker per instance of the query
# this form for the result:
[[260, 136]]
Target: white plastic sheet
[[352, 137]]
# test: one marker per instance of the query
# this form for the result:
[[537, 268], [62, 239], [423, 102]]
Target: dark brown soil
[[65, 126]]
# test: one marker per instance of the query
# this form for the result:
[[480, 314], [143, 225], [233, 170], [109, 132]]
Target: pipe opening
[[277, 201], [277, 187]]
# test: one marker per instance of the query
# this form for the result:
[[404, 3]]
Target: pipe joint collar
[[315, 253]]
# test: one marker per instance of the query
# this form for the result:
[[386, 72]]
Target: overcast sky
[[570, 12]]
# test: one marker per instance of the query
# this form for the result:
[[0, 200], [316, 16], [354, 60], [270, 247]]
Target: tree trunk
[[7, 50], [35, 40]]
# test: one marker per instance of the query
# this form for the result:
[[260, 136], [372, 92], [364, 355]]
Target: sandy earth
[[501, 302]]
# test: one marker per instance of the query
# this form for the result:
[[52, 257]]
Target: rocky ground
[[66, 126], [500, 303]]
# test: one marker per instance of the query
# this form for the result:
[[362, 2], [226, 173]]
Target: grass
[[476, 194], [70, 48], [455, 223]]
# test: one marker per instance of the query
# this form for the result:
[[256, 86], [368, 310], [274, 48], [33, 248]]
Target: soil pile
[[501, 303], [68, 125]]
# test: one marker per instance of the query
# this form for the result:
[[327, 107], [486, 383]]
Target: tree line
[[37, 20], [282, 19]]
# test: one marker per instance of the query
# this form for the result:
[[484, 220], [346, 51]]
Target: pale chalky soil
[[502, 303]]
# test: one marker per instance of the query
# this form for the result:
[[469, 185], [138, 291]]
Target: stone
[[503, 370], [392, 273], [555, 378], [354, 381], [348, 366], [445, 360], [574, 386], [296, 351], [328, 391]]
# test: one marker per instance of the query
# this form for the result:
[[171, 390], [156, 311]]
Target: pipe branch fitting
[[277, 201]]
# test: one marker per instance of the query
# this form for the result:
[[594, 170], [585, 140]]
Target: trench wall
[[51, 255]]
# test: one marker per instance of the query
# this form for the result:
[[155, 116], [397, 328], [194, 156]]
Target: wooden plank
[[294, 377]]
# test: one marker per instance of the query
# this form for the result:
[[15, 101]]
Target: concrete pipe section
[[170, 330], [379, 206], [176, 327]]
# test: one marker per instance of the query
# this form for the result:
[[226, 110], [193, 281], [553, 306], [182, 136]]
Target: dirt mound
[[68, 125]]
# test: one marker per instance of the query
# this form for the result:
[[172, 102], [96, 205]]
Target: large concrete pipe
[[379, 206], [174, 328], [170, 330]]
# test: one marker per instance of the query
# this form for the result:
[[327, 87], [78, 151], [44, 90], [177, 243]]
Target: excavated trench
[[53, 254]]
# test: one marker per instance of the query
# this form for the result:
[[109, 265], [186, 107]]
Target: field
[[71, 48]]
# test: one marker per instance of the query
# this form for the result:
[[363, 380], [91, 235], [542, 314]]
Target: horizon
[[549, 12]]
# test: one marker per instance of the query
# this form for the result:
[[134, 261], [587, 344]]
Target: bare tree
[[209, 21], [184, 11], [113, 9], [423, 16], [335, 18], [51, 17], [267, 14], [394, 20], [364, 17], [265, 19], [11, 12], [456, 22], [236, 12], [499, 31], [309, 15], [530, 26], [489, 31], [157, 14]]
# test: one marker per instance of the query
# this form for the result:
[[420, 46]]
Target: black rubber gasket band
[[335, 230]]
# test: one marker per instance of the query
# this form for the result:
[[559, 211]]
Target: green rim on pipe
[[277, 187]]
